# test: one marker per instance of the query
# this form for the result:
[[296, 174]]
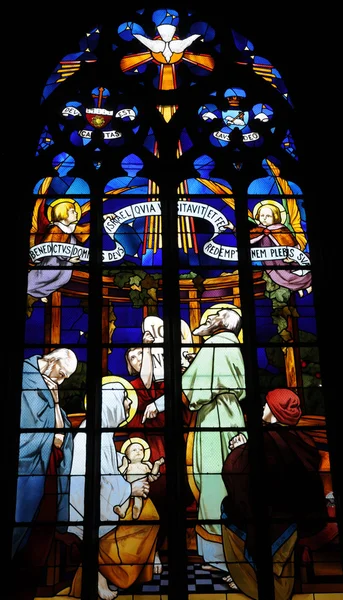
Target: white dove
[[167, 46]]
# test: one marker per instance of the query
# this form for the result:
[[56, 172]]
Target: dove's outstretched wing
[[179, 46], [153, 45]]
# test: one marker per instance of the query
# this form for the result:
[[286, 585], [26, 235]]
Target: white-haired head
[[225, 318], [59, 364]]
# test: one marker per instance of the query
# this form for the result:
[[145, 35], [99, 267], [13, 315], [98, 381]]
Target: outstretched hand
[[150, 412]]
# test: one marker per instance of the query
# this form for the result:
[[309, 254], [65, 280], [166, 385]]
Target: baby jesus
[[135, 467]]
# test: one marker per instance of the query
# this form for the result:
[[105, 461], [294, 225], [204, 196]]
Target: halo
[[214, 309], [137, 440], [131, 392], [274, 203], [59, 201]]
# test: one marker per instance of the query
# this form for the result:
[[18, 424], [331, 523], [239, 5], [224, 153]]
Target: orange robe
[[126, 553]]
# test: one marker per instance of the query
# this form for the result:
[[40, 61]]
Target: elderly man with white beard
[[214, 384], [45, 458]]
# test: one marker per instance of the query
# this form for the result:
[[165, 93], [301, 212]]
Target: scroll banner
[[190, 209], [247, 137], [71, 110], [108, 135]]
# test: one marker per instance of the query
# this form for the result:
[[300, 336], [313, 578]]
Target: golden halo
[[274, 203], [131, 392], [137, 440], [60, 201], [214, 309]]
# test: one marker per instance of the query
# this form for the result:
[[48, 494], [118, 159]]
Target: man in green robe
[[214, 384]]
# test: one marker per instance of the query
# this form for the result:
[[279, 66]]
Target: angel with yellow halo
[[55, 231], [270, 231]]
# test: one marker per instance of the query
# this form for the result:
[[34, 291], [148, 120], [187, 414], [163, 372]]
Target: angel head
[[64, 210], [269, 212]]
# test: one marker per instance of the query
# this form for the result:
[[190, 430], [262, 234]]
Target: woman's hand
[[140, 487]]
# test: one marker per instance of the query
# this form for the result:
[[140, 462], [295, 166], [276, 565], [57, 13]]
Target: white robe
[[114, 489]]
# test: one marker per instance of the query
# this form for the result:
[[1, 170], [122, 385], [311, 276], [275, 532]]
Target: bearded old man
[[43, 452], [214, 384], [45, 457]]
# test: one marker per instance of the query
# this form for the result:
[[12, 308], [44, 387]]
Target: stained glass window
[[173, 427]]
